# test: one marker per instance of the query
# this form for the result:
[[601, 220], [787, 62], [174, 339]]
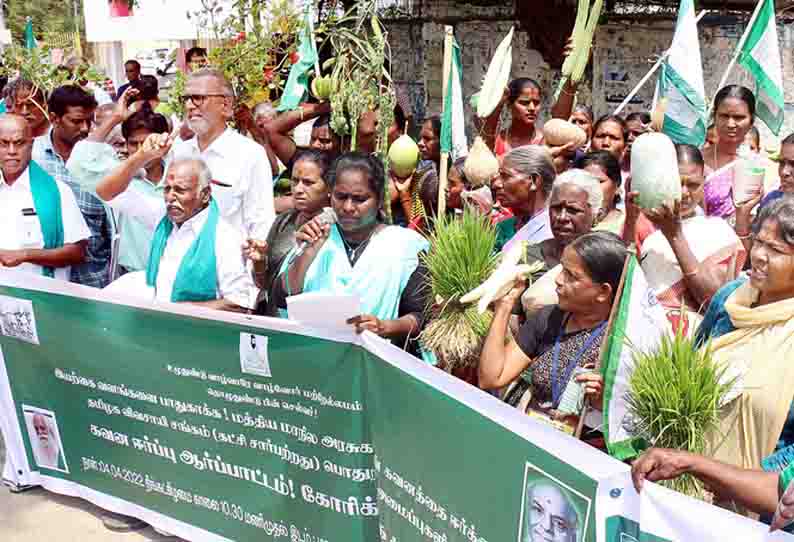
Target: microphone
[[327, 216]]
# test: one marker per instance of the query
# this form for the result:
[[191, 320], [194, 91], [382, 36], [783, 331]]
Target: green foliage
[[34, 65], [461, 257], [359, 75], [48, 16], [675, 393]]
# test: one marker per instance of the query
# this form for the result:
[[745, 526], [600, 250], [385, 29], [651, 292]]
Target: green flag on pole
[[681, 82], [760, 56], [453, 124], [298, 81], [30, 39]]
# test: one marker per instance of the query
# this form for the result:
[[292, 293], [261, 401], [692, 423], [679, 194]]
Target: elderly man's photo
[[45, 439], [549, 514]]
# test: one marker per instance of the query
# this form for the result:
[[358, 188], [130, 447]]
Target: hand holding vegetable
[[667, 219]]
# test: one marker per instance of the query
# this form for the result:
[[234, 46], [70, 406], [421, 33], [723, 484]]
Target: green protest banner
[[214, 426]]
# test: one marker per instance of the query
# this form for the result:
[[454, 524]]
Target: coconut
[[403, 156], [654, 171], [481, 165], [558, 132]]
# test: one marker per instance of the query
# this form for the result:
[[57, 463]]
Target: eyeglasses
[[199, 100]]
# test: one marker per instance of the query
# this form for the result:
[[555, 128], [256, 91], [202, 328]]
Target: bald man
[[41, 228]]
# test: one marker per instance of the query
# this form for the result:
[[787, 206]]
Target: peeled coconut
[[403, 156], [654, 171], [558, 132], [481, 165]]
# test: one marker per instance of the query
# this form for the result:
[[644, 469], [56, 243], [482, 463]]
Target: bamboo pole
[[444, 165]]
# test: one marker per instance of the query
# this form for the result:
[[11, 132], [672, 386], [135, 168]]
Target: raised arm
[[114, 183], [491, 124], [121, 112], [278, 129]]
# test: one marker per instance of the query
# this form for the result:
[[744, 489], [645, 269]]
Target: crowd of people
[[129, 197]]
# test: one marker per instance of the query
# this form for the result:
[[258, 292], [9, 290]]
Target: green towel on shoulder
[[47, 201]]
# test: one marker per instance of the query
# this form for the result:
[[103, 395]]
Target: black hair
[[147, 88], [135, 62], [643, 117], [458, 165], [322, 159], [367, 164], [689, 154], [789, 140], [781, 211], [517, 86], [399, 117], [740, 93], [603, 159], [435, 122], [617, 120], [604, 255], [322, 120], [69, 96], [195, 51], [144, 120]]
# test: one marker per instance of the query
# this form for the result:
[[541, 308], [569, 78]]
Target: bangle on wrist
[[301, 112], [692, 273]]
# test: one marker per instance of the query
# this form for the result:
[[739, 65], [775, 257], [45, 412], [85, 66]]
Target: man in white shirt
[[242, 178], [42, 230], [189, 235]]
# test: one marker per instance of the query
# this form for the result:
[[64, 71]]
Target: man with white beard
[[46, 449], [241, 175]]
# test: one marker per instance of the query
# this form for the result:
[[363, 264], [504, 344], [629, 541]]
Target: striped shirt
[[96, 269]]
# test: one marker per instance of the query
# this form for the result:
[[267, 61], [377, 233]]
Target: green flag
[[30, 39], [453, 131], [760, 56], [298, 81]]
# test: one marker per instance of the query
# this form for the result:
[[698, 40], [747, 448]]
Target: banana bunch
[[322, 87], [502, 279]]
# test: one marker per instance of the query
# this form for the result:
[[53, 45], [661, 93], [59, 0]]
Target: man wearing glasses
[[242, 178]]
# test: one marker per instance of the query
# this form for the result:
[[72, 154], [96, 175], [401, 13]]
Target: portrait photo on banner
[[45, 439], [550, 509]]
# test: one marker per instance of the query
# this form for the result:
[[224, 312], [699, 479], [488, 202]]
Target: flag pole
[[444, 165], [742, 41], [650, 73]]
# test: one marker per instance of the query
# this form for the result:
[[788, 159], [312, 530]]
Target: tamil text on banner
[[215, 426]]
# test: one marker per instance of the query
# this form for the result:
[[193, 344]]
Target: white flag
[[760, 55], [681, 82]]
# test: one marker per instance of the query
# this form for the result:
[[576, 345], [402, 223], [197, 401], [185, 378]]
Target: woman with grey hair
[[523, 185]]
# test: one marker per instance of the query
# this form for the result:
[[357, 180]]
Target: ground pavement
[[39, 516]]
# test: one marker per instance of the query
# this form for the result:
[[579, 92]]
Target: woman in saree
[[525, 180], [310, 195], [734, 114], [359, 254], [689, 256], [582, 116], [563, 340], [750, 326], [525, 97], [417, 194]]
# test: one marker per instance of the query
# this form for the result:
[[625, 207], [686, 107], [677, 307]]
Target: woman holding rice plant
[[551, 349], [751, 327]]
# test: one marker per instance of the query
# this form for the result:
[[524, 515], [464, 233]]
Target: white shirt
[[235, 283], [242, 163], [18, 232]]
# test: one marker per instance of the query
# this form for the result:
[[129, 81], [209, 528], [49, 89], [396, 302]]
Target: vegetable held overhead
[[583, 31], [481, 165], [654, 171]]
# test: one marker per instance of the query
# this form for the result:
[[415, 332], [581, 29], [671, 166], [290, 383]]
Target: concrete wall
[[623, 53]]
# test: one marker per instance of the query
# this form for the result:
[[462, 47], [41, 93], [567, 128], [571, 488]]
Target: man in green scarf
[[41, 228], [195, 255]]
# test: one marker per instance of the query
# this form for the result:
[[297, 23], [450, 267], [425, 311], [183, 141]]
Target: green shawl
[[47, 201]]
